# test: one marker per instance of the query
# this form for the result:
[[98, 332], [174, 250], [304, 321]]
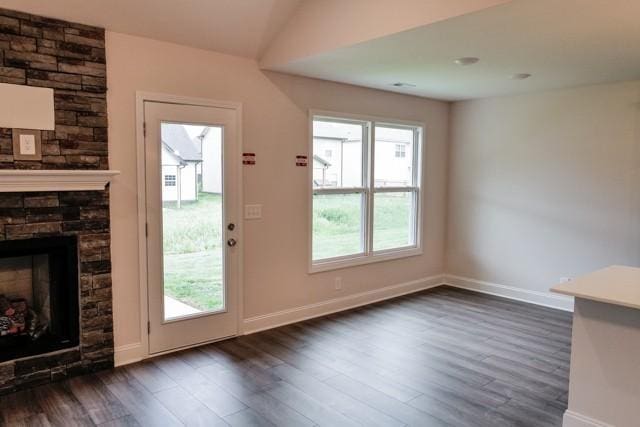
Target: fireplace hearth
[[38, 296]]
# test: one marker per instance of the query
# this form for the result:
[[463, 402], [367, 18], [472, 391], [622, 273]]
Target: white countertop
[[617, 285]]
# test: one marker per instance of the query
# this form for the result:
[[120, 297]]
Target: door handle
[[231, 243]]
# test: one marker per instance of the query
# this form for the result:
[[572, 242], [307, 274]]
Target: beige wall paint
[[317, 27], [544, 186], [604, 382], [275, 127]]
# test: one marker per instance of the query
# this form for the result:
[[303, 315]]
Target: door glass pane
[[192, 213], [337, 225], [393, 165], [393, 220], [337, 154]]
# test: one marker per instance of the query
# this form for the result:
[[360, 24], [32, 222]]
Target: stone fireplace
[[55, 263]]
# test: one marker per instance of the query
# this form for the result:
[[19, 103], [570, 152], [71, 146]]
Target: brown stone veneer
[[69, 58]]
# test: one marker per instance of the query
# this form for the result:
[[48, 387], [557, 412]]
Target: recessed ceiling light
[[401, 84], [467, 60], [520, 76]]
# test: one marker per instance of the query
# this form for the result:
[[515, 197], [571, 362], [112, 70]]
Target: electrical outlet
[[338, 283]]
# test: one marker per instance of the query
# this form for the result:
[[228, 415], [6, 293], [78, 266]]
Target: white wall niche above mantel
[[25, 180]]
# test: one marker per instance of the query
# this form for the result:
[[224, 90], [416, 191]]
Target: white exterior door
[[192, 242]]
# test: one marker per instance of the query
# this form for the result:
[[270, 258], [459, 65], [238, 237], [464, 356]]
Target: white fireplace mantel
[[22, 180]]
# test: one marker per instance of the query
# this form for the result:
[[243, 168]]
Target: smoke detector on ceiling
[[401, 84], [520, 76], [467, 60]]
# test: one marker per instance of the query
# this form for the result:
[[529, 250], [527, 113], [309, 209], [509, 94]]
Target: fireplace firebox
[[39, 287]]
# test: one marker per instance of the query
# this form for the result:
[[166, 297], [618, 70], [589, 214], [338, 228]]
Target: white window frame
[[174, 178], [368, 190], [400, 149]]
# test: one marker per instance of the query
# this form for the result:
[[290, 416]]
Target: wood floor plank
[[36, 420], [240, 381], [190, 411], [197, 358], [242, 351], [16, 407], [398, 410], [349, 365], [291, 357], [176, 368], [275, 410], [113, 375], [60, 407], [247, 418], [340, 402], [145, 408], [101, 405], [150, 376], [444, 356], [127, 421], [216, 399], [454, 410], [311, 408]]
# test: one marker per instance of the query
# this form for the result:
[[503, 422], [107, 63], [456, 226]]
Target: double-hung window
[[366, 199]]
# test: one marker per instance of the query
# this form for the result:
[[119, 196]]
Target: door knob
[[231, 242]]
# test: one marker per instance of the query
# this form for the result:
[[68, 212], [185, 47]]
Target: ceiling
[[561, 43], [237, 27]]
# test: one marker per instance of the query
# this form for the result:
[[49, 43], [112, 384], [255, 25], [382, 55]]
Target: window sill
[[336, 264]]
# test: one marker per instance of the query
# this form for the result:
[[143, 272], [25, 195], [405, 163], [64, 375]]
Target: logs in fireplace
[[18, 317]]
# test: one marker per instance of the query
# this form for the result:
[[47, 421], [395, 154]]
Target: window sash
[[369, 189], [365, 138], [415, 217]]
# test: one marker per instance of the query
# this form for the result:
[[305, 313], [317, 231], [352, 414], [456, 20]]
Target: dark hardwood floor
[[440, 357]]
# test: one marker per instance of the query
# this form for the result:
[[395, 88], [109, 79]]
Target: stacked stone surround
[[69, 58]]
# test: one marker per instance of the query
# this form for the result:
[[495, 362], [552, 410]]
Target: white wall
[[275, 127], [544, 186], [188, 182]]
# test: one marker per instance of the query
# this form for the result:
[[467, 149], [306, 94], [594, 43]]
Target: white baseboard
[[298, 314], [129, 353], [574, 419], [546, 299]]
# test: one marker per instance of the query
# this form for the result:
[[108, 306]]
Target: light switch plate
[[252, 211]]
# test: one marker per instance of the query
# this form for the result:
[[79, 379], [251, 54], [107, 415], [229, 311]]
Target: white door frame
[[141, 98]]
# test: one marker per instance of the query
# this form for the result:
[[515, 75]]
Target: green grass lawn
[[337, 221], [193, 241], [193, 252]]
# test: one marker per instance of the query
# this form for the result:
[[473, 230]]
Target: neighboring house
[[333, 151], [181, 163], [211, 143], [394, 160], [320, 167]]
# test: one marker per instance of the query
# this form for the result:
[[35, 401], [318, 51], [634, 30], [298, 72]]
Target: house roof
[[176, 138], [320, 160]]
